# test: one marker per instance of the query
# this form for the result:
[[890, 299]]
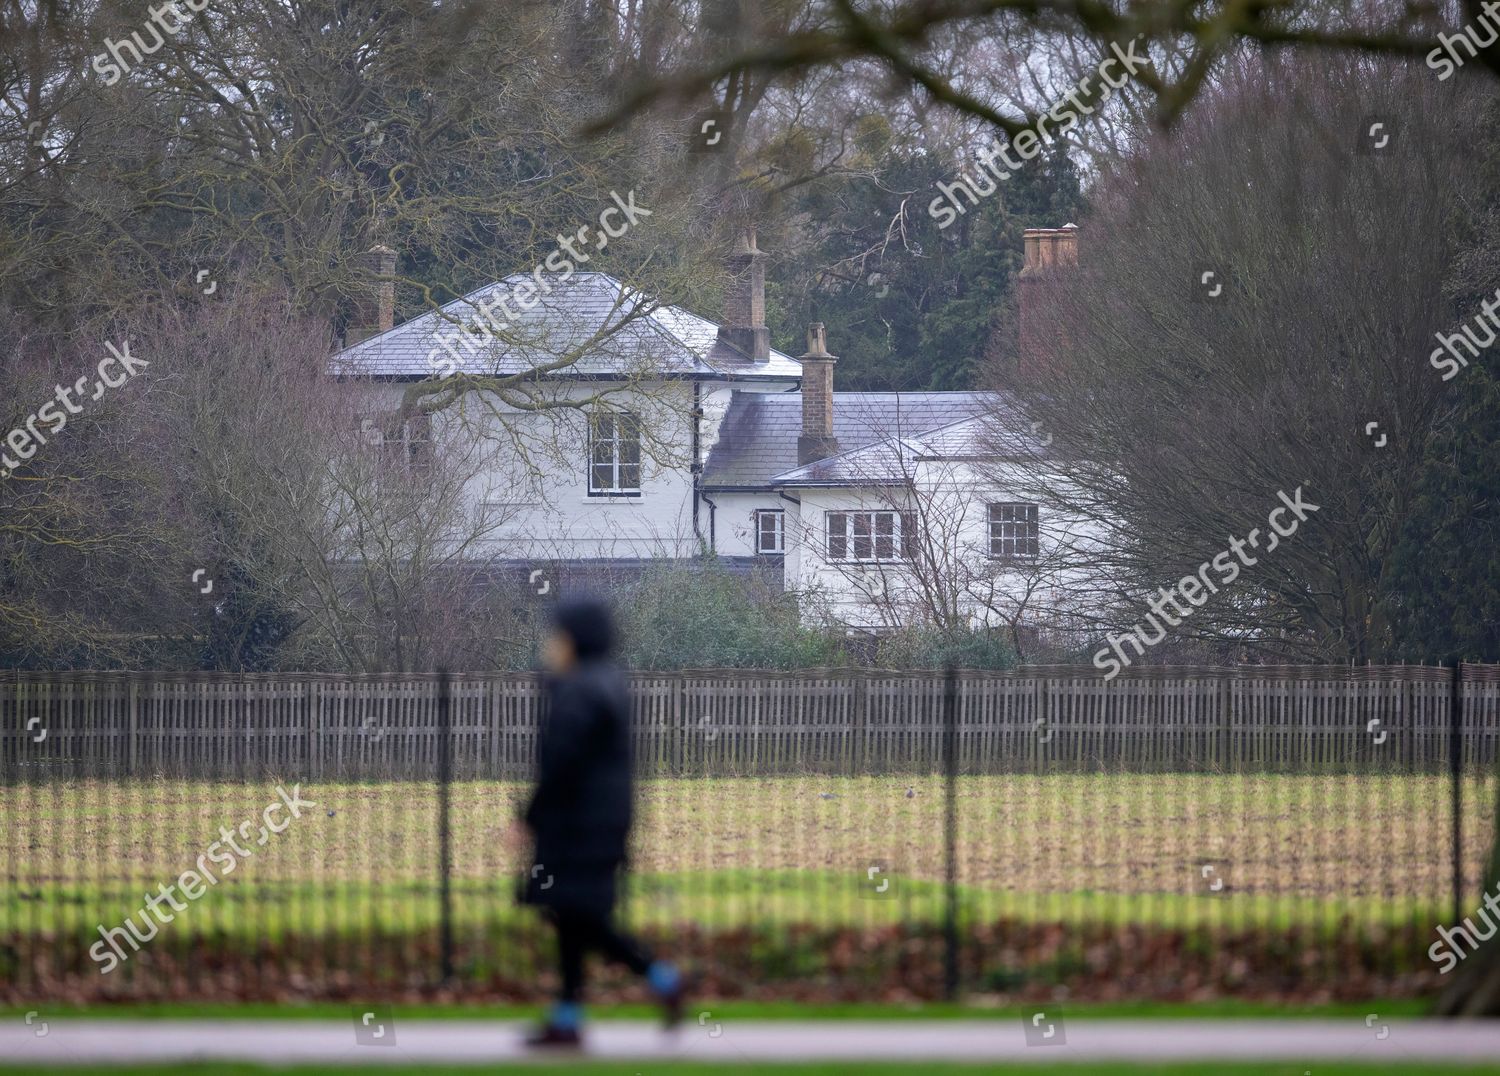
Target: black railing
[[843, 835]]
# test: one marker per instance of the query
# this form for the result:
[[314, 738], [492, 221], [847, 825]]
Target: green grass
[[270, 910], [861, 1068], [1113, 848]]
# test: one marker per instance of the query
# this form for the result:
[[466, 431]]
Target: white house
[[626, 432]]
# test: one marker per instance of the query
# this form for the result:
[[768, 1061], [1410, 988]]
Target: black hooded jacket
[[581, 810]]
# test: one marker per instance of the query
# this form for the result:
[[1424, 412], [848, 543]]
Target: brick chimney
[[744, 327], [1048, 253], [375, 310], [817, 441]]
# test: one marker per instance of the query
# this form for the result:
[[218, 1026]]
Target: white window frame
[[618, 462], [1019, 537], [847, 529], [779, 529], [412, 446]]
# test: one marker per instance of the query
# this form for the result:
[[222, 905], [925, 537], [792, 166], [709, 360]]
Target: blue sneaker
[[667, 983]]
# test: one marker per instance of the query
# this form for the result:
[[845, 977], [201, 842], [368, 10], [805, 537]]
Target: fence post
[[950, 833], [445, 849], [1455, 772], [133, 724], [679, 727], [313, 749], [1409, 717], [859, 741], [1040, 704], [1223, 751]]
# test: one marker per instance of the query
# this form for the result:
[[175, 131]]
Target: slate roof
[[1000, 430], [757, 446], [645, 341]]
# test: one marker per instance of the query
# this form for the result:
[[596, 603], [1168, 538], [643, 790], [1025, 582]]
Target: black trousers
[[577, 933]]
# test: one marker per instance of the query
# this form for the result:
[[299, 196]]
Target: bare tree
[[333, 540], [84, 544], [1252, 315], [912, 41]]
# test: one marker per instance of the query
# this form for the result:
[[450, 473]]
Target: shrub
[[701, 616]]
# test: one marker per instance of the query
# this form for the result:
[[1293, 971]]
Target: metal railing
[[844, 834]]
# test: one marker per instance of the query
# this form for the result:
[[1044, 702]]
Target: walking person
[[580, 815]]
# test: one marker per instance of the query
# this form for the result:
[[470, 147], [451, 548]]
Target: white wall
[[734, 520], [538, 483], [952, 499], [538, 487]]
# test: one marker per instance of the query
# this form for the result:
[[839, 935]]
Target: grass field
[[1152, 849]]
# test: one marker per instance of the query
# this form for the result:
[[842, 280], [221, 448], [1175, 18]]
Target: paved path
[[70, 1041]]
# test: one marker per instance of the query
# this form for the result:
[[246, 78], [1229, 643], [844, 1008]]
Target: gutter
[[530, 377]]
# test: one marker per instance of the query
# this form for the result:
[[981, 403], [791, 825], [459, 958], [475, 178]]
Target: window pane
[[861, 546], [885, 536], [838, 542], [769, 531], [1015, 530], [630, 476], [909, 535], [602, 476]]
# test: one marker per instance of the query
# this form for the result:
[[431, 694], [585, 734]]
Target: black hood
[[587, 621]]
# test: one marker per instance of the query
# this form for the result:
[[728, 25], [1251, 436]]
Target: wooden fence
[[1036, 719]]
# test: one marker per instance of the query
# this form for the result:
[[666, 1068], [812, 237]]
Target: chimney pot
[[817, 441], [817, 342]]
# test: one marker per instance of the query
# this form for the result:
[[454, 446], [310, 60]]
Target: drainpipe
[[713, 519], [697, 464]]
